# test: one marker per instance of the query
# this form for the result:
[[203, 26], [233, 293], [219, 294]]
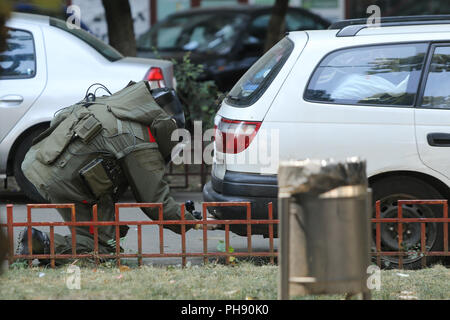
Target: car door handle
[[11, 100], [439, 139]]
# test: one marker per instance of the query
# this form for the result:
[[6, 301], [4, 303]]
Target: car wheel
[[25, 185], [389, 191]]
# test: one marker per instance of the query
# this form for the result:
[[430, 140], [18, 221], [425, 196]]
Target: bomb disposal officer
[[91, 153]]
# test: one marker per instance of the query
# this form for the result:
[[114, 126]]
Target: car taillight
[[155, 78], [234, 136]]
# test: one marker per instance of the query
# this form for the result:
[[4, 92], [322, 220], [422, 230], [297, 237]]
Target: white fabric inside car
[[360, 87]]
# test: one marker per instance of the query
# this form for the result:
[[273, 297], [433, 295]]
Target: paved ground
[[150, 234]]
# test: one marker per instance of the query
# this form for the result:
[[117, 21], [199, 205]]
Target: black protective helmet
[[167, 99]]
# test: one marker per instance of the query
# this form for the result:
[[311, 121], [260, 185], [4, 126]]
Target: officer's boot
[[40, 243]]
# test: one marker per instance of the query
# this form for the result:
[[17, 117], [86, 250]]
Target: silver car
[[48, 66]]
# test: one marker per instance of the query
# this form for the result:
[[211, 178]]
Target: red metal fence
[[184, 254], [96, 256]]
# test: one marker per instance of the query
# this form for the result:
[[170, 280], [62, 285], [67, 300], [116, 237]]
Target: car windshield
[[256, 80], [104, 49], [207, 32]]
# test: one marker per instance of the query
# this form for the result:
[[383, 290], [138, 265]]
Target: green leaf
[[200, 98]]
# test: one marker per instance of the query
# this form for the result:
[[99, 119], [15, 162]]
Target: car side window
[[294, 21], [19, 59], [370, 75], [298, 21], [437, 88]]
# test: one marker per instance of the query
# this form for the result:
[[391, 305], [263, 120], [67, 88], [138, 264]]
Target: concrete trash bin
[[324, 209]]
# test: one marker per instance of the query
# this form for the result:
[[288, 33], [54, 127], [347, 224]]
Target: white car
[[382, 94], [48, 66]]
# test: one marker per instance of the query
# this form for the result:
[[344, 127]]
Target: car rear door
[[358, 102], [23, 74], [432, 115]]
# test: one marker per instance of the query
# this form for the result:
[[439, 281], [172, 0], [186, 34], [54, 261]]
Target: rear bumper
[[257, 189]]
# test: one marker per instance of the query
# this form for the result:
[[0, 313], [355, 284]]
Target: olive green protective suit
[[130, 122]]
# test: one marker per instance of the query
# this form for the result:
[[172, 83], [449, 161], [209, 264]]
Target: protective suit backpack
[[159, 109]]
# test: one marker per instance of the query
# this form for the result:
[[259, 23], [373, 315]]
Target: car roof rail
[[350, 27]]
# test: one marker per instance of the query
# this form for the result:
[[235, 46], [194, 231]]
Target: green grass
[[432, 283], [197, 282], [213, 281]]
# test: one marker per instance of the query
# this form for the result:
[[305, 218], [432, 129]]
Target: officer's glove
[[190, 207]]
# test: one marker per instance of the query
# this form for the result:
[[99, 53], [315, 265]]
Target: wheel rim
[[411, 231]]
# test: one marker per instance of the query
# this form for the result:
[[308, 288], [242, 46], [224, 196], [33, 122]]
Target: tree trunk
[[120, 26], [276, 26], [4, 14]]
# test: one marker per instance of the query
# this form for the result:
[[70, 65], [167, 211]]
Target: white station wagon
[[382, 94], [48, 66]]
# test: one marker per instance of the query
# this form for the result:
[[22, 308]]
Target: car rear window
[[104, 49], [258, 78], [371, 75]]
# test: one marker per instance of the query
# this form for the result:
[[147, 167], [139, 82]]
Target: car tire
[[388, 191], [25, 185]]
